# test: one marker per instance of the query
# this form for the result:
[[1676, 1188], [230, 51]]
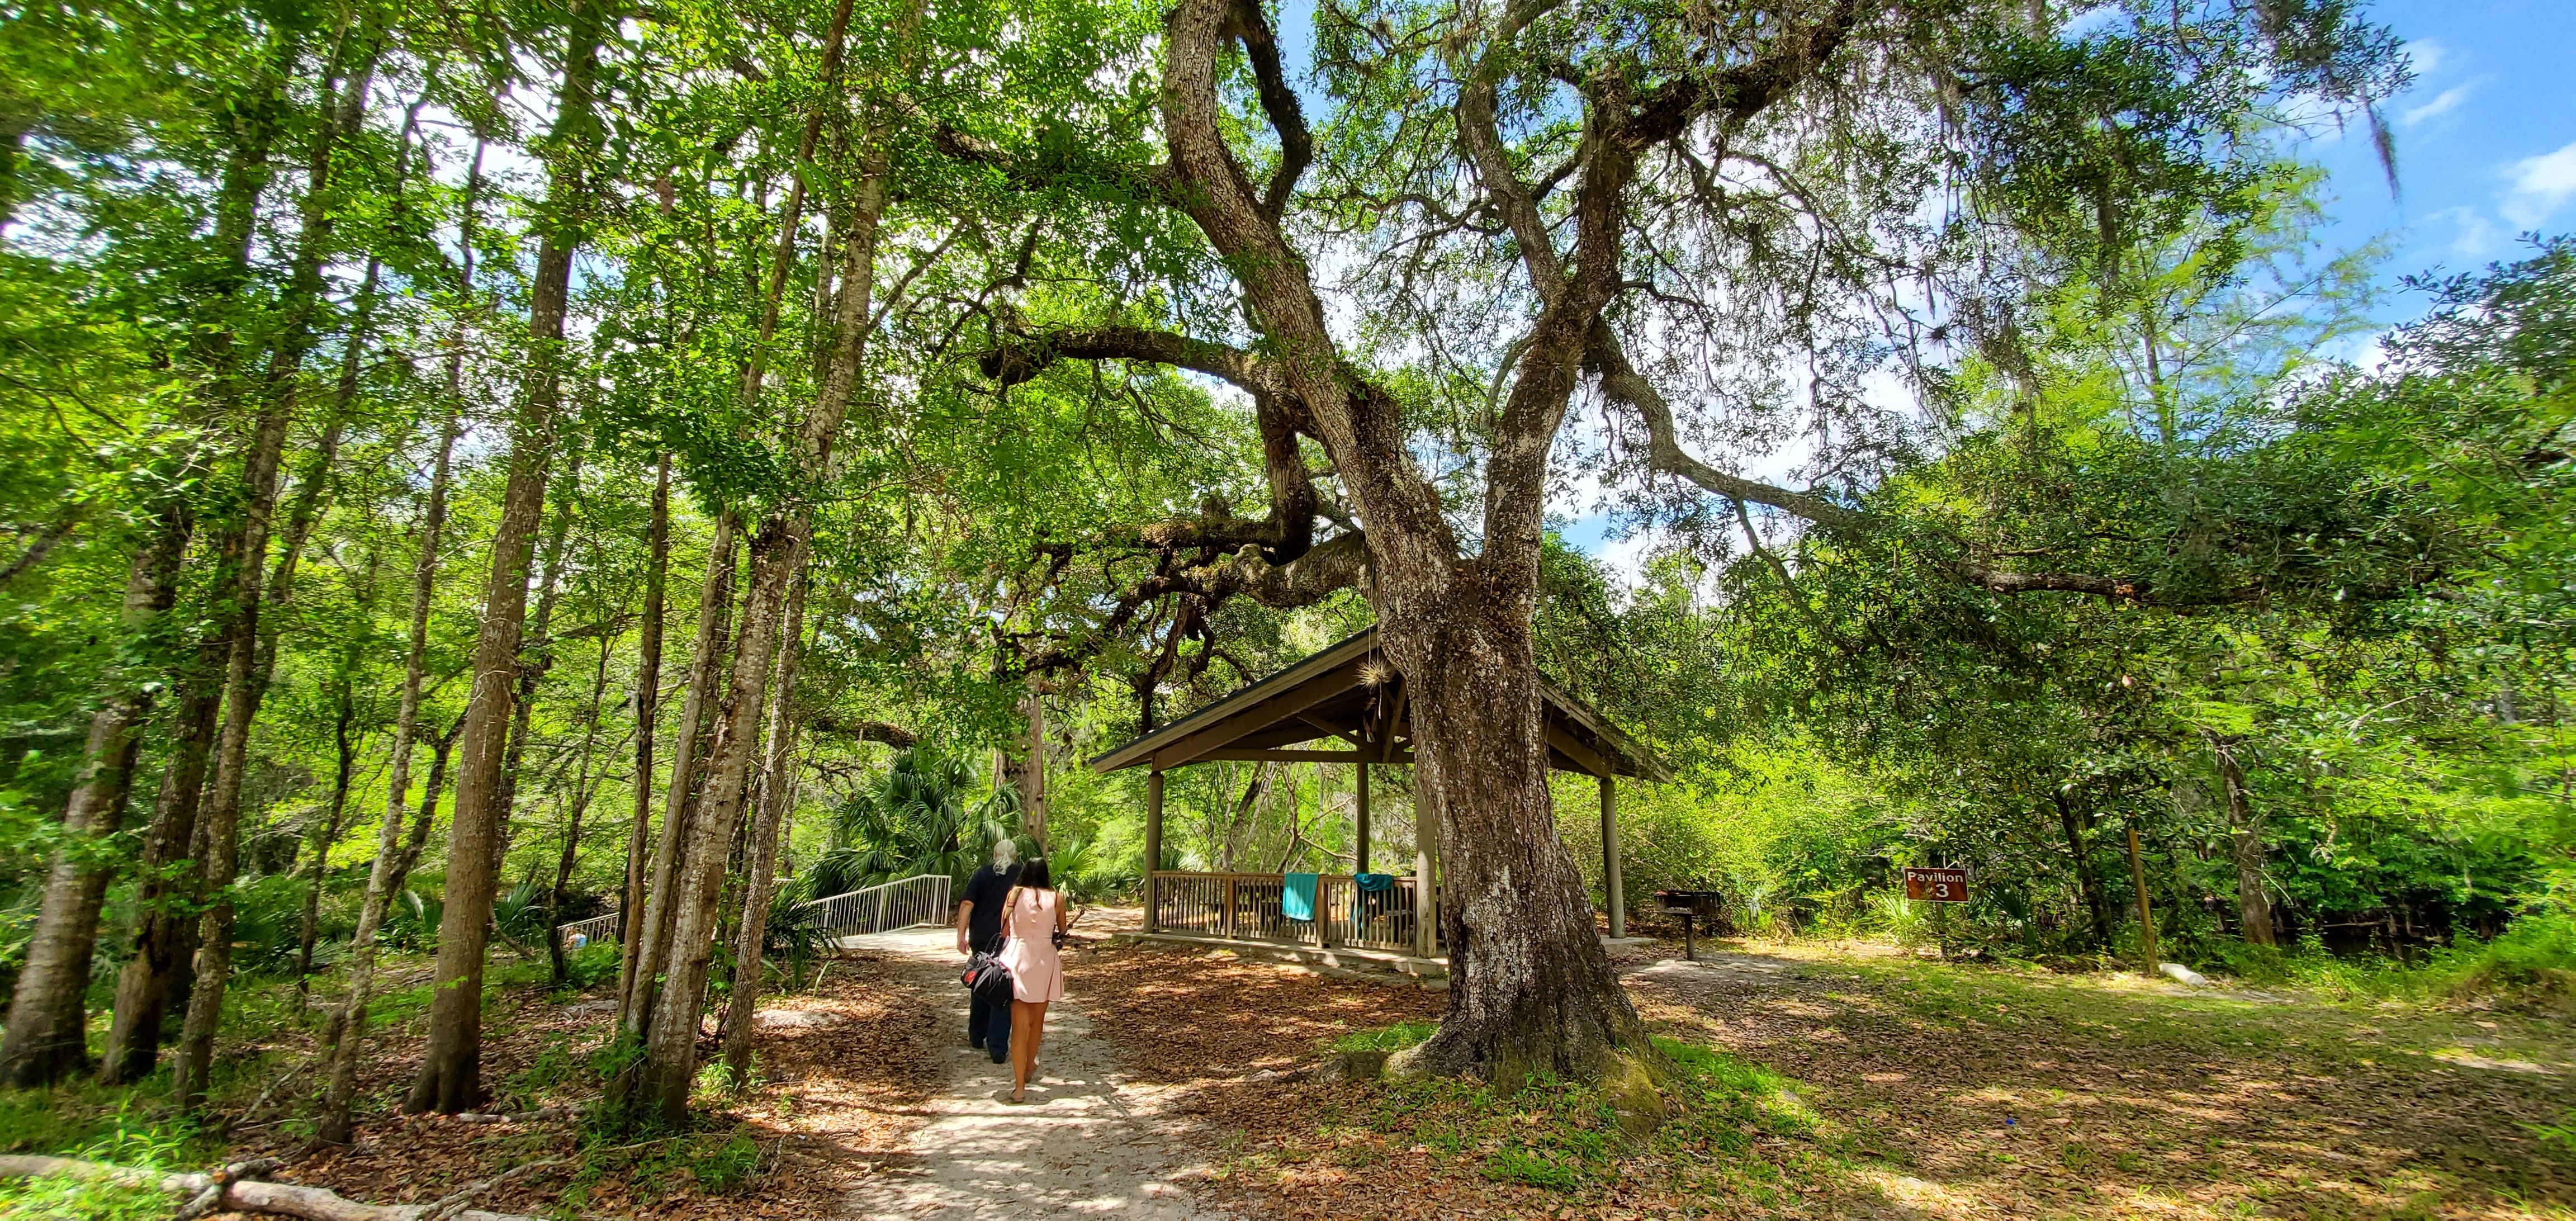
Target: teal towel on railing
[[1374, 881], [1297, 897]]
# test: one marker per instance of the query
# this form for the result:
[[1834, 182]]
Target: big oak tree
[[1664, 208]]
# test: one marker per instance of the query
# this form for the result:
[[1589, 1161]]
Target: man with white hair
[[979, 931]]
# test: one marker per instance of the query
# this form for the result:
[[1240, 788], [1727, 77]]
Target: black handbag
[[986, 978]]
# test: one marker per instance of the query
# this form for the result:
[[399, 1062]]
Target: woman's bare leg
[[1037, 1035], [1026, 1018]]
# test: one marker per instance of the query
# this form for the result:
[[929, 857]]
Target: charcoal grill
[[1690, 905]]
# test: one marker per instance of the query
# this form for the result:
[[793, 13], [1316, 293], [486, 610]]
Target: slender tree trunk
[[245, 563], [2091, 882], [2253, 902], [46, 1037], [384, 877], [393, 857], [648, 681], [164, 930], [326, 834], [232, 756], [281, 588], [1033, 769], [536, 658], [697, 709], [760, 873], [572, 822], [451, 1075], [778, 553], [650, 943]]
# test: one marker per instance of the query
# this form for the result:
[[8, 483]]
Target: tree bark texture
[[1531, 990], [778, 554], [391, 862], [2253, 902], [451, 1076], [760, 872], [648, 682], [47, 1036], [164, 928], [651, 937]]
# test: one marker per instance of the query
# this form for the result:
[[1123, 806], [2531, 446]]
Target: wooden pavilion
[[1345, 704]]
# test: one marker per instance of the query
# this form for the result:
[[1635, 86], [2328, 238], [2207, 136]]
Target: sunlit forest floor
[[842, 1069], [1812, 1080], [1856, 1081]]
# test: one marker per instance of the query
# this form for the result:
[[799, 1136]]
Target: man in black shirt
[[979, 931]]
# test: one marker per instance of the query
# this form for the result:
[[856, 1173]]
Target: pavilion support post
[[1426, 894], [1153, 849], [1361, 856], [1615, 894]]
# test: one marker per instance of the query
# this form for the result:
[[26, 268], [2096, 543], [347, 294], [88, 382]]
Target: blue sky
[[2486, 139], [2486, 151]]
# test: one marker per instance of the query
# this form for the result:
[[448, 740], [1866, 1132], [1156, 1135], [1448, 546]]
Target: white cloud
[[2428, 56], [2443, 103], [2477, 238], [2540, 185]]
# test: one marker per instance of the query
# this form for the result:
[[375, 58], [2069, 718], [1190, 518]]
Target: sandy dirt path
[[1089, 1142]]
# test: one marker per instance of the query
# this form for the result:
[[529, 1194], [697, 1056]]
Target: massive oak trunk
[[1530, 989], [451, 1076]]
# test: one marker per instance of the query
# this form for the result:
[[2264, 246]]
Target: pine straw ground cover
[[842, 1073], [1827, 1083]]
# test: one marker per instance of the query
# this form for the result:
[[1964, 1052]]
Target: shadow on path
[[1088, 1142]]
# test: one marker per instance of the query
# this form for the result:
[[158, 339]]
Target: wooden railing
[[1248, 907]]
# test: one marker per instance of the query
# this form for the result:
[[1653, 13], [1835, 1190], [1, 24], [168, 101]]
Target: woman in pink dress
[[1032, 916]]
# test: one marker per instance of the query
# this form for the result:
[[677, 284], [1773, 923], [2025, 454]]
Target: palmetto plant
[[922, 817]]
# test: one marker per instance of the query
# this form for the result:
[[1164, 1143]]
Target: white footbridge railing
[[597, 929], [901, 903]]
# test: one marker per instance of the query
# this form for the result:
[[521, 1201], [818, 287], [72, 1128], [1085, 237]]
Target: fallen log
[[237, 1194]]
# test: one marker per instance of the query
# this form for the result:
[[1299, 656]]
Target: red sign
[[1936, 885]]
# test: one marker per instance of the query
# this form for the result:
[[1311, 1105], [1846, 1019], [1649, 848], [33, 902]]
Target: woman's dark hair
[[1033, 874]]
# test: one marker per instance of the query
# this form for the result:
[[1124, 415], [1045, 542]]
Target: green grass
[[125, 1141], [1556, 1136], [1386, 1038]]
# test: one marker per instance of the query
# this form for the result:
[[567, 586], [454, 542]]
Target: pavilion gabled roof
[[1351, 696]]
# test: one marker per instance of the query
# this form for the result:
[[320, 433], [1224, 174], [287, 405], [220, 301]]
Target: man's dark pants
[[989, 1027]]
